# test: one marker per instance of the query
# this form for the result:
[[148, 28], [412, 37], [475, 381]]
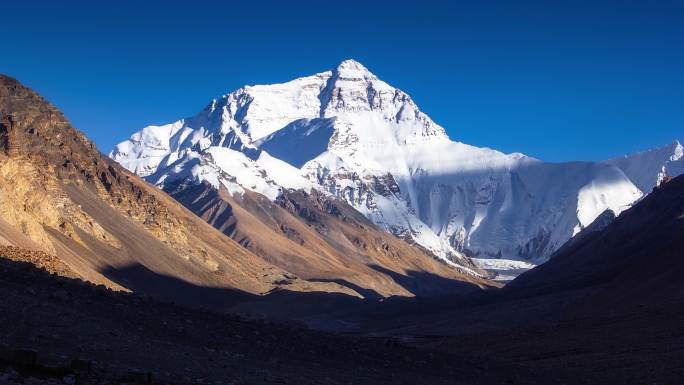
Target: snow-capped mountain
[[349, 134], [648, 168]]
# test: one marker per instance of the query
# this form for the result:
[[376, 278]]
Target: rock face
[[39, 259], [64, 198], [346, 133]]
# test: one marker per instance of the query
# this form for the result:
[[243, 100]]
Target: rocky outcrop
[[39, 259]]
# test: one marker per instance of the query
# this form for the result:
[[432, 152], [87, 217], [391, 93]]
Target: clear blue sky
[[554, 79]]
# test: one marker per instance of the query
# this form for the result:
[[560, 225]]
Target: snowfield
[[347, 133]]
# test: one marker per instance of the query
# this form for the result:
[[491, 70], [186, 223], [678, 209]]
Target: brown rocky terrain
[[62, 197], [323, 239]]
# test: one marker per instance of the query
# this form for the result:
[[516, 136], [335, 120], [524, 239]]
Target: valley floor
[[62, 319]]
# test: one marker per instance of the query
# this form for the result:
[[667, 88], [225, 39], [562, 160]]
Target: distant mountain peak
[[347, 133], [352, 69], [351, 63]]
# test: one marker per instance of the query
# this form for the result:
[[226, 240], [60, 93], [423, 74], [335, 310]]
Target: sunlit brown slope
[[321, 238], [61, 196]]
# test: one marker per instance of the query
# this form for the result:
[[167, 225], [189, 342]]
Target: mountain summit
[[345, 133], [351, 70]]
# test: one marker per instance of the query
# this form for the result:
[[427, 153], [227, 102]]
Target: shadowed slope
[[636, 259]]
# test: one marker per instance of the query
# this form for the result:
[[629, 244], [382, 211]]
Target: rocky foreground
[[126, 337], [58, 330]]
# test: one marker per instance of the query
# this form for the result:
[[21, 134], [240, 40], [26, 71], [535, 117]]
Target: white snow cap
[[646, 169], [351, 69], [349, 134]]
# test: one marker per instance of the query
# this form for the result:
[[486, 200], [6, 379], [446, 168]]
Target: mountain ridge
[[648, 168], [356, 137]]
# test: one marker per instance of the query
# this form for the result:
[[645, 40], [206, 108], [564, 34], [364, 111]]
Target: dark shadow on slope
[[142, 280], [120, 331], [313, 308], [299, 141], [203, 200], [637, 255], [319, 310], [424, 284], [368, 294], [62, 318]]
